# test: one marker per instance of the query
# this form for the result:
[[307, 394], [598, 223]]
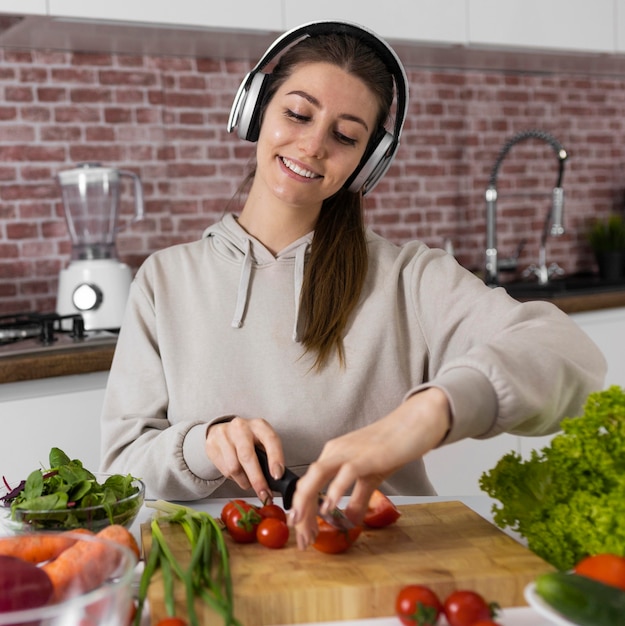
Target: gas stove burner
[[43, 327]]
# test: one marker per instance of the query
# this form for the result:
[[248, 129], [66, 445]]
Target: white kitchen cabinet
[[24, 7], [619, 20], [455, 469], [571, 26], [415, 20], [607, 329], [243, 14], [576, 25], [559, 24], [62, 412]]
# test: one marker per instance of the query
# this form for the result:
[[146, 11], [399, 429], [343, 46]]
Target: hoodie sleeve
[[136, 434], [505, 366]]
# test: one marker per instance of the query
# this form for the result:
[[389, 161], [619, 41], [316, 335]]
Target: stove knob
[[47, 336], [87, 297]]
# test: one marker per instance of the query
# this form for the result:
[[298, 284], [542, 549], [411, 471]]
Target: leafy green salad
[[67, 495], [568, 500]]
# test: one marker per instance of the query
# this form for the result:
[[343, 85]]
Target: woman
[[293, 327]]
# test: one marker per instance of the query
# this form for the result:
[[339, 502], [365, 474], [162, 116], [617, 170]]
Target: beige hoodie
[[210, 332]]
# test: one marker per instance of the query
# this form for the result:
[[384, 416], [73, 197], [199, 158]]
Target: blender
[[95, 283]]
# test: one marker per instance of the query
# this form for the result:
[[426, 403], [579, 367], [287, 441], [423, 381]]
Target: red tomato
[[171, 621], [606, 568], [464, 608], [272, 533], [241, 523], [272, 510], [332, 540], [486, 622], [418, 605], [380, 511], [231, 506], [132, 612]]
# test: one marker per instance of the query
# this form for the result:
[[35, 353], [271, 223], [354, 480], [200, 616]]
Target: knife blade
[[285, 486]]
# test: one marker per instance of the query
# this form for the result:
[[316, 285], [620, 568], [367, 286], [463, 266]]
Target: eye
[[344, 139], [298, 117], [303, 119]]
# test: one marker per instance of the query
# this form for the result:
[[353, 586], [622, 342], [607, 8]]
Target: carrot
[[87, 564], [36, 547], [120, 535]]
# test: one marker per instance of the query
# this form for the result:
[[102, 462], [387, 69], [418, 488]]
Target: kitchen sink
[[574, 285]]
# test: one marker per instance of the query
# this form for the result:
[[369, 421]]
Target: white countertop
[[520, 616]]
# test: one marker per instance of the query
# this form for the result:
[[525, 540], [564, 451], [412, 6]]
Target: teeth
[[298, 170]]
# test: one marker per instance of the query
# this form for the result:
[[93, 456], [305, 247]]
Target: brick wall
[[164, 118]]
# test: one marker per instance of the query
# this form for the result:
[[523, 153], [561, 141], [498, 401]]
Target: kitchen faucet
[[553, 220]]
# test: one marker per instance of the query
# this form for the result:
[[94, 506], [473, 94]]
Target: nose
[[313, 142]]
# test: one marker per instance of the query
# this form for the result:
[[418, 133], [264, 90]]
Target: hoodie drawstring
[[244, 283], [298, 277], [225, 233]]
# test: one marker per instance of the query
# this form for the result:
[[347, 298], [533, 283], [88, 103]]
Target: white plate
[[543, 609]]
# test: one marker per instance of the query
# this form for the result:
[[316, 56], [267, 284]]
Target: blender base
[[109, 278]]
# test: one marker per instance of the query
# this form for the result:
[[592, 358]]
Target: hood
[[234, 242]]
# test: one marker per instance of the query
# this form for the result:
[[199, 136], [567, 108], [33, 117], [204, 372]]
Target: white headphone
[[246, 108]]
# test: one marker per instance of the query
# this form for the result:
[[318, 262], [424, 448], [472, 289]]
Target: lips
[[297, 169]]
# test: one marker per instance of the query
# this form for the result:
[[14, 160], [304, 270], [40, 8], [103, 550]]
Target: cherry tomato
[[231, 506], [418, 605], [332, 540], [241, 523], [272, 533], [486, 622], [272, 510], [380, 511], [132, 612], [606, 568], [171, 621], [464, 608]]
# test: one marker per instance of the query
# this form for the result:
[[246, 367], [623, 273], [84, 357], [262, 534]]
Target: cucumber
[[582, 600]]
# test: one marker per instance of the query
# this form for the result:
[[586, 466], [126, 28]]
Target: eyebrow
[[345, 116]]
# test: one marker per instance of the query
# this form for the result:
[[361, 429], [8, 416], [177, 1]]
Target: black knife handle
[[285, 485]]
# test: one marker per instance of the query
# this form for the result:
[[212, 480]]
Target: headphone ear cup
[[374, 164], [248, 125]]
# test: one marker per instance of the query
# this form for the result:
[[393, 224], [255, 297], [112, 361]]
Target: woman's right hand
[[230, 446], [362, 459]]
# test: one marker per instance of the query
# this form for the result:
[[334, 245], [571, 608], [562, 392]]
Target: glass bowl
[[94, 518], [100, 593]]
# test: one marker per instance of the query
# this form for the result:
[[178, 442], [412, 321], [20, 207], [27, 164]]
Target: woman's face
[[314, 133]]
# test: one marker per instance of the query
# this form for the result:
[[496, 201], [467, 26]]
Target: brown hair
[[337, 267]]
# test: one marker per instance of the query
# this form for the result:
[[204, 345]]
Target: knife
[[285, 486]]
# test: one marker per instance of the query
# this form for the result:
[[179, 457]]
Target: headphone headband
[[245, 109]]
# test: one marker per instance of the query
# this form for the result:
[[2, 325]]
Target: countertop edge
[[582, 303], [66, 362]]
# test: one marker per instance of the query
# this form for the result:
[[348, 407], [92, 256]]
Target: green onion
[[207, 576]]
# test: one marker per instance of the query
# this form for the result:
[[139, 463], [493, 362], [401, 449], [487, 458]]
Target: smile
[[299, 170]]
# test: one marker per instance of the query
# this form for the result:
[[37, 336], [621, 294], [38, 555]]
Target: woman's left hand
[[365, 457]]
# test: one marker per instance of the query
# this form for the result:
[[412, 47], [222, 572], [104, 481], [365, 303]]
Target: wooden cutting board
[[444, 545]]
